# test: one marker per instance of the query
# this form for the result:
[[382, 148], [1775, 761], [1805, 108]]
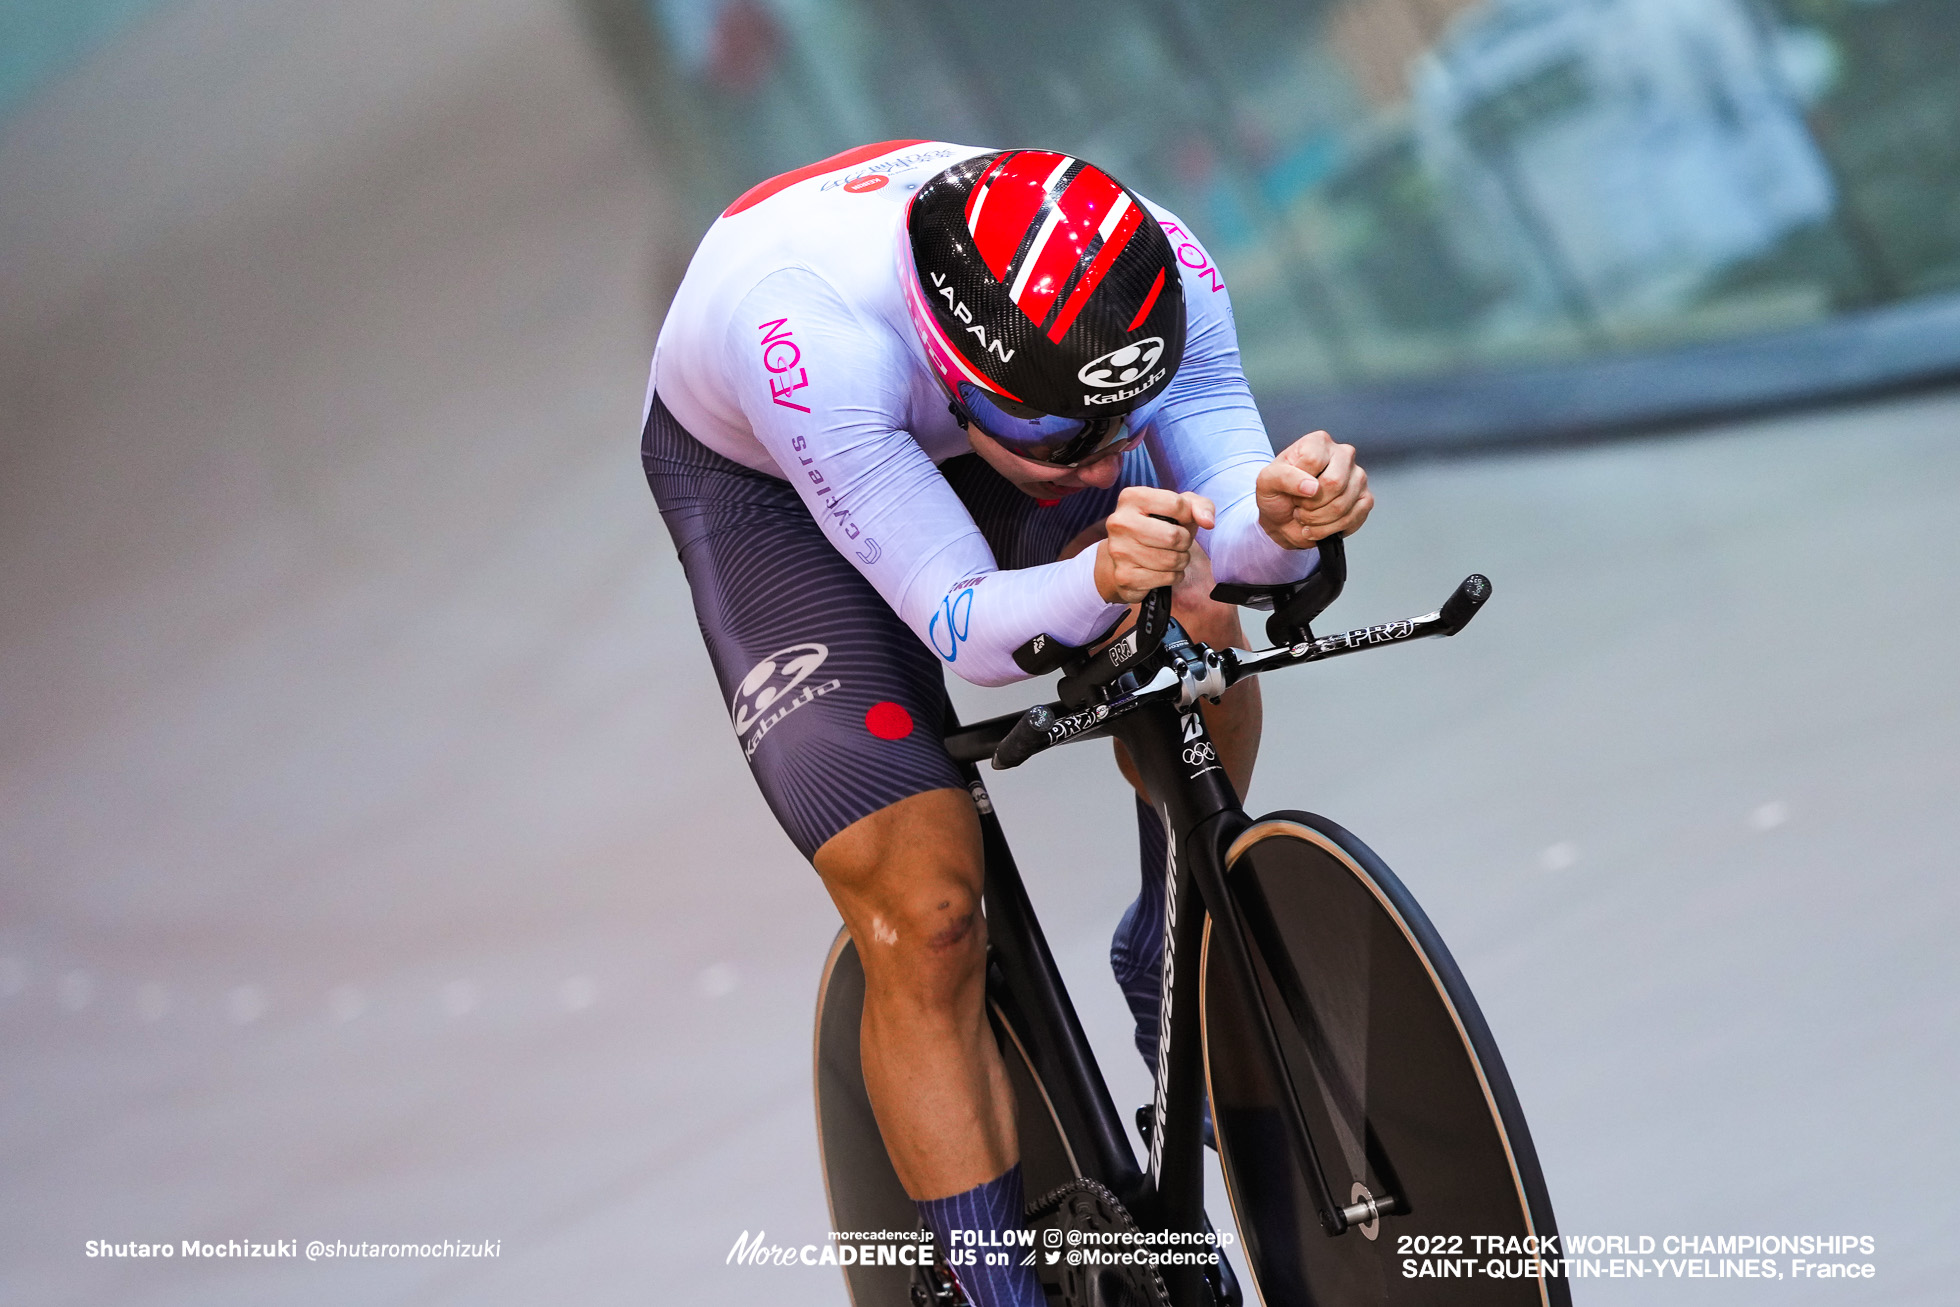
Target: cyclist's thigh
[[1021, 530], [837, 706]]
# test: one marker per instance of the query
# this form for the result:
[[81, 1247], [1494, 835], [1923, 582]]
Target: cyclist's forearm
[[976, 622], [1243, 553]]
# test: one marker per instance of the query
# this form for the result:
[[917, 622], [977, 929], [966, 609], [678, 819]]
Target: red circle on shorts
[[858, 186], [888, 721]]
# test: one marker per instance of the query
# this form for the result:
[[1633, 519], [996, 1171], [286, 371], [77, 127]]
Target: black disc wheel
[[864, 1191], [1403, 1094]]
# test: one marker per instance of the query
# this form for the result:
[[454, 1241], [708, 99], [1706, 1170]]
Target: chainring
[[1086, 1205]]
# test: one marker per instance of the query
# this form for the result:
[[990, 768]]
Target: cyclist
[[914, 407]]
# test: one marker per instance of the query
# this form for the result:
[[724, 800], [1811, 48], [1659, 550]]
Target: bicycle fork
[[1204, 815]]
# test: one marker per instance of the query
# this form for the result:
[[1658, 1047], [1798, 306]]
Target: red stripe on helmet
[[1014, 200], [761, 191], [980, 187], [1144, 312], [1083, 206], [1126, 227]]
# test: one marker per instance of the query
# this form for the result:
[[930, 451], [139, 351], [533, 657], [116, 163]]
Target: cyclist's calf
[[907, 880]]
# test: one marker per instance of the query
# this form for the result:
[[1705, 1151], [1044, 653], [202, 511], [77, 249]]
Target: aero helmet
[[1048, 300]]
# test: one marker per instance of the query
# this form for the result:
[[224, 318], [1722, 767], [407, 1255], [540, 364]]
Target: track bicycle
[[1362, 1113]]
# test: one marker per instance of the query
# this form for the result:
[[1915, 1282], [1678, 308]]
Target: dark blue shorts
[[836, 705]]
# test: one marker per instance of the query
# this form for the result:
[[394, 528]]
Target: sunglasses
[[1043, 438]]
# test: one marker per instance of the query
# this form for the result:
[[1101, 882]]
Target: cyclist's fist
[[1143, 551], [1313, 489]]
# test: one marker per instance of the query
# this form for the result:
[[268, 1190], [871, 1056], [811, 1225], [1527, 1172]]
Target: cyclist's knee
[[907, 881], [937, 924], [925, 944]]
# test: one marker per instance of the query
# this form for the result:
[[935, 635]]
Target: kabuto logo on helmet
[[1033, 274], [1120, 367]]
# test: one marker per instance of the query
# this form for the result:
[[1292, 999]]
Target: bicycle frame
[[1178, 763], [1161, 724]]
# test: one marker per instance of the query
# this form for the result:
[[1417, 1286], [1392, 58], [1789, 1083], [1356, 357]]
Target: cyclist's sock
[[996, 1206]]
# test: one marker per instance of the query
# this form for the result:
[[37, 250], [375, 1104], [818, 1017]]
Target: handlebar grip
[[1110, 662], [1153, 619], [1292, 618], [1029, 737], [1460, 607]]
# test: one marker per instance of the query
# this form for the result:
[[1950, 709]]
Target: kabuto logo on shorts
[[776, 687]]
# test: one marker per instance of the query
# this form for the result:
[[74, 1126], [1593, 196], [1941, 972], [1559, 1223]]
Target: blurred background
[[375, 859], [1443, 220]]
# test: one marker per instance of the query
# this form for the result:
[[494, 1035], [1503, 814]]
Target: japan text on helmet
[[1048, 300]]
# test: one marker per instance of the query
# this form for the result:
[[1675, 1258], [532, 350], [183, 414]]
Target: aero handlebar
[[1183, 673]]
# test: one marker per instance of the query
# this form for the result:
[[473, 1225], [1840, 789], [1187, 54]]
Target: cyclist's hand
[[1143, 553], [1313, 489]]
